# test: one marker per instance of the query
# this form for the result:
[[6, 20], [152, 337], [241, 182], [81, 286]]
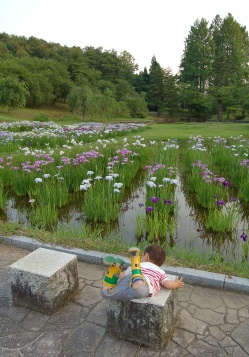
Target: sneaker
[[110, 261], [134, 252]]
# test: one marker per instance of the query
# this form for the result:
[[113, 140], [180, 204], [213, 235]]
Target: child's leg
[[115, 267], [137, 278], [123, 290]]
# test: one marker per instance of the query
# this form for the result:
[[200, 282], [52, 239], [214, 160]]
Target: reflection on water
[[189, 233]]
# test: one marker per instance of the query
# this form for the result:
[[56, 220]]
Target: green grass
[[114, 245], [183, 131], [90, 241]]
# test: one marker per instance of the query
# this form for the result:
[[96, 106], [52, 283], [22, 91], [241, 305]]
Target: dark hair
[[156, 253]]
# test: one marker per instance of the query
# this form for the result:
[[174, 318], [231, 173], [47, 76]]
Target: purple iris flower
[[220, 203], [154, 199], [243, 236], [149, 209], [216, 196], [141, 204], [233, 199], [167, 201], [226, 183]]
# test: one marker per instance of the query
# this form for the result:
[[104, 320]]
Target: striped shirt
[[154, 275]]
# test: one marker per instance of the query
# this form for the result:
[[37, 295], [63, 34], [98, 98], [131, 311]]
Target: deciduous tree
[[13, 93]]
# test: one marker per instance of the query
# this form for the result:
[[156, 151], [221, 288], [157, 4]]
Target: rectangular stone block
[[44, 280], [146, 324]]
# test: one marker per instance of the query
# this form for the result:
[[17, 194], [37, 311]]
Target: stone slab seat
[[44, 280], [146, 324]]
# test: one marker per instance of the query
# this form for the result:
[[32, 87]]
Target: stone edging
[[190, 276]]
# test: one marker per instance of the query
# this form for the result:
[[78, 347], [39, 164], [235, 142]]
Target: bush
[[239, 117], [41, 117]]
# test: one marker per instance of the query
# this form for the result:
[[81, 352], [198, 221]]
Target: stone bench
[[146, 324], [44, 280]]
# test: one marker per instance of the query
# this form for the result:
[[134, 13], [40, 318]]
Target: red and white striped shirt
[[154, 276]]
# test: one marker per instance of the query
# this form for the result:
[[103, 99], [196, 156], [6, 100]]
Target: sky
[[144, 28]]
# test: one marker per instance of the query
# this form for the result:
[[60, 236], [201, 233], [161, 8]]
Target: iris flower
[[109, 178], [174, 181], [149, 209], [243, 236], [87, 182], [167, 201], [154, 199], [118, 185], [151, 184], [84, 187]]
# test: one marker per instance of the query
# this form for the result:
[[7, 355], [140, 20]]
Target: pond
[[189, 232], [191, 194]]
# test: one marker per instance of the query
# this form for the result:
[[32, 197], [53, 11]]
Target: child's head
[[157, 254]]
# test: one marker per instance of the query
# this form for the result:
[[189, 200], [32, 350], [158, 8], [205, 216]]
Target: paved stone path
[[212, 322]]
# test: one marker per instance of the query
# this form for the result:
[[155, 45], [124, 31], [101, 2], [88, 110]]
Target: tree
[[4, 52], [141, 81], [196, 63], [79, 100], [214, 63], [171, 96], [156, 89], [128, 65], [230, 62], [106, 62], [137, 105], [123, 89], [106, 104], [13, 93], [196, 68]]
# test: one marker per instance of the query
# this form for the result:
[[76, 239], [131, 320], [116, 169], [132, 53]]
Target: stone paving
[[211, 322]]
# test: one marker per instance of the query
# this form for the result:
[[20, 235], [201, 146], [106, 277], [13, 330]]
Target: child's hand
[[170, 284], [179, 282]]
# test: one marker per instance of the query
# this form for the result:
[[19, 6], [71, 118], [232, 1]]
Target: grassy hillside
[[156, 131]]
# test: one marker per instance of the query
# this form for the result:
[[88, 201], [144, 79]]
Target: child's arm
[[169, 284]]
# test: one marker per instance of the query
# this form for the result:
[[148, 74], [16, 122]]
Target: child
[[140, 281]]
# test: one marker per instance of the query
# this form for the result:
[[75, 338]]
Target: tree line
[[212, 77]]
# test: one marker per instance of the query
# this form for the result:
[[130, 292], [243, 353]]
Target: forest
[[95, 82]]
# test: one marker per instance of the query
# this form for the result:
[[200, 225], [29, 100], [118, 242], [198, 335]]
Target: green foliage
[[156, 87], [2, 196], [222, 220], [213, 75], [196, 61], [215, 63], [137, 106], [79, 100], [13, 93], [42, 117]]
